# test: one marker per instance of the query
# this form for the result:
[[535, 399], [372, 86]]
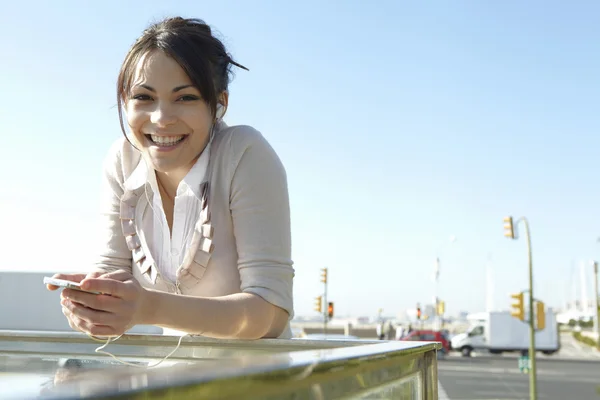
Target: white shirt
[[168, 250]]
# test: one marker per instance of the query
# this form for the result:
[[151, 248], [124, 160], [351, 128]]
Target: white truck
[[499, 332]]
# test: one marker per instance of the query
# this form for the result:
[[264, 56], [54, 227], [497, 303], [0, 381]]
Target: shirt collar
[[138, 177], [196, 175]]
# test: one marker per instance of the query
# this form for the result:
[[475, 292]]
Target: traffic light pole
[[325, 308], [596, 306], [437, 323], [532, 353]]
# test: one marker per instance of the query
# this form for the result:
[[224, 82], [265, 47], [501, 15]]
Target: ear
[[224, 101]]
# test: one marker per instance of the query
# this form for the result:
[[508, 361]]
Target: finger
[[119, 275], [108, 286], [67, 314], [75, 322], [102, 331], [100, 302], [92, 316], [82, 325], [78, 324]]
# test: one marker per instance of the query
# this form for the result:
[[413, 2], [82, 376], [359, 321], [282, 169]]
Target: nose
[[162, 115]]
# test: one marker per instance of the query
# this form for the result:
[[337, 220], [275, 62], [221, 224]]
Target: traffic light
[[517, 306], [418, 311], [509, 230], [330, 309], [441, 308], [324, 275], [540, 315], [318, 304]]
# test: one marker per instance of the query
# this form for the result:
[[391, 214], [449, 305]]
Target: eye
[[141, 97], [188, 97]]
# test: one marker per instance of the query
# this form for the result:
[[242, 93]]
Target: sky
[[399, 124]]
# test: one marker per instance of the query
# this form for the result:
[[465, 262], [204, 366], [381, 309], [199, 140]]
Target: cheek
[[135, 122], [200, 122]]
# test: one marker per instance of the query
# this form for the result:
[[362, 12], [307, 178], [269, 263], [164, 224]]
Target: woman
[[196, 212]]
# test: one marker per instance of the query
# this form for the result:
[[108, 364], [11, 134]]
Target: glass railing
[[65, 365]]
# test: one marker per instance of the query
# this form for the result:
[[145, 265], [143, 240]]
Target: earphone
[[220, 111]]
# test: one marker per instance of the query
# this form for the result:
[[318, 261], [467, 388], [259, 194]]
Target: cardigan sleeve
[[113, 253], [260, 212]]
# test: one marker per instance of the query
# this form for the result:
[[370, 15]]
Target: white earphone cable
[[112, 339], [107, 341]]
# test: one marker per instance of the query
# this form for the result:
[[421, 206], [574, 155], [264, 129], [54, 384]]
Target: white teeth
[[166, 140]]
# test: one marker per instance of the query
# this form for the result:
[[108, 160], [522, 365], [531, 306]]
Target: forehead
[[158, 69]]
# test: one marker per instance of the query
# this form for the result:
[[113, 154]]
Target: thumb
[[66, 277]]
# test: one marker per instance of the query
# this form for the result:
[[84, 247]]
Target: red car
[[429, 336]]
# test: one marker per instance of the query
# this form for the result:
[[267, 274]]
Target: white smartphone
[[65, 284]]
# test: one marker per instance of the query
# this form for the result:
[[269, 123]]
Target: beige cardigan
[[242, 241]]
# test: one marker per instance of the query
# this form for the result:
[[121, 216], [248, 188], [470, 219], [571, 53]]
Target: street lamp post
[[436, 275]]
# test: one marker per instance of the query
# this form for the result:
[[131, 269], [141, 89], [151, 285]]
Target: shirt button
[[175, 252]]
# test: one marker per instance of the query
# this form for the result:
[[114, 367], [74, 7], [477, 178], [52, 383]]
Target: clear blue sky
[[399, 125]]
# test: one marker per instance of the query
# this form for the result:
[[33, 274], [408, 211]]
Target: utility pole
[[509, 232]]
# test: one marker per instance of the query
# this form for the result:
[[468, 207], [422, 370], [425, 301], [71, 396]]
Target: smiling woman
[[196, 212]]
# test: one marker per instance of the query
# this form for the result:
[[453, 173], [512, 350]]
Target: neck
[[169, 181]]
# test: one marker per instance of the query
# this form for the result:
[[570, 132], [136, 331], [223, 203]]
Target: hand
[[122, 305]]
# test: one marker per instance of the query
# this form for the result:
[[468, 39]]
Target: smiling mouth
[[166, 141]]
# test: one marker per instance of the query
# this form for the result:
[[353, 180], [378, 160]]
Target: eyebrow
[[176, 89]]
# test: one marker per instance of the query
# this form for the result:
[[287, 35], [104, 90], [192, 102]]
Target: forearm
[[236, 316]]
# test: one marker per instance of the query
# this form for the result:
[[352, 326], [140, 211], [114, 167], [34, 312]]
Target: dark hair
[[191, 44]]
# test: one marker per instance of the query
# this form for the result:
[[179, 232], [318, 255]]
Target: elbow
[[277, 323], [258, 332], [272, 300], [263, 332], [271, 325], [273, 333]]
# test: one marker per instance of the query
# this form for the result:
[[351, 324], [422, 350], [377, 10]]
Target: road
[[571, 348], [491, 377], [573, 373]]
